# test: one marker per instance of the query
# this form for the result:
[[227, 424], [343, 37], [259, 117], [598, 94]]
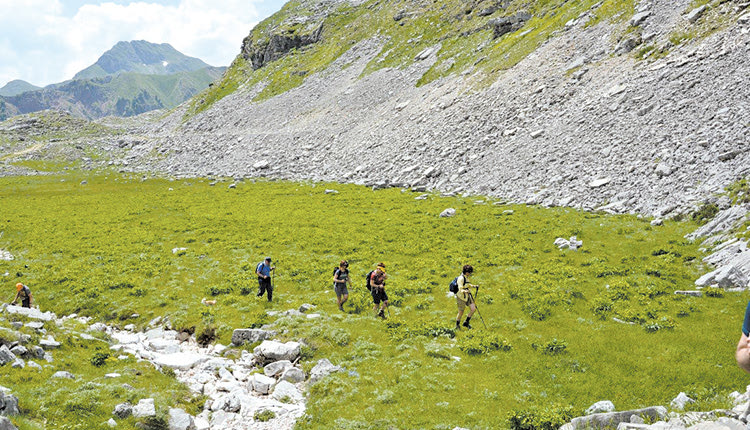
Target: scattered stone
[[696, 13], [179, 251], [680, 401], [261, 383], [306, 307], [6, 356], [49, 343], [692, 293], [270, 351], [323, 369], [448, 213], [242, 336], [19, 350], [180, 420], [123, 410], [6, 424], [63, 374], [112, 423], [144, 408], [331, 192], [285, 389], [180, 360], [657, 222], [596, 183], [261, 165], [638, 18], [8, 404], [277, 368], [293, 375], [601, 406]]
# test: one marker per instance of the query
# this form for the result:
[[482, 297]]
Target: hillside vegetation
[[551, 347]]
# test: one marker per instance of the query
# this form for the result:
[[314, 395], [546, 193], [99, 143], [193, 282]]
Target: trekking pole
[[477, 308]]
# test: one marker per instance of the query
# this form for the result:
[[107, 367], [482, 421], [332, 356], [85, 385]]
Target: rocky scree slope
[[579, 122]]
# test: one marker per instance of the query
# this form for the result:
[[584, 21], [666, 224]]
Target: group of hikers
[[375, 283]]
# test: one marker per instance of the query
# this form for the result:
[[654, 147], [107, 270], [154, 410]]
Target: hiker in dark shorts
[[23, 293], [743, 346], [379, 297], [263, 270], [464, 297], [340, 280]]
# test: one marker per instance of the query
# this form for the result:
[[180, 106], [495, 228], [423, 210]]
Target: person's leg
[[269, 288], [461, 306], [472, 309], [261, 287]]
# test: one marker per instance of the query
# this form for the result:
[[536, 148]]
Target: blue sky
[[48, 41]]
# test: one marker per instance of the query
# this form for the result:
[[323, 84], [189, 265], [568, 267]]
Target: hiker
[[743, 346], [23, 293], [340, 279], [377, 282], [464, 297], [264, 278]]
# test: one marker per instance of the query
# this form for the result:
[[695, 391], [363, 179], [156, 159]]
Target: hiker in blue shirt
[[264, 278]]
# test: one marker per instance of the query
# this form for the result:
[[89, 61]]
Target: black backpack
[[368, 285], [453, 286]]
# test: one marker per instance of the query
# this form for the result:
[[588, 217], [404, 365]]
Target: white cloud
[[38, 43]]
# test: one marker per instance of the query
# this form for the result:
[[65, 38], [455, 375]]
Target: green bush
[[99, 359], [714, 292], [482, 343], [555, 347], [705, 213], [549, 418], [264, 415]]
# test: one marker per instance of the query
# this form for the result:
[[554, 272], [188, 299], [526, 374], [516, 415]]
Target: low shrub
[[99, 359], [548, 418], [264, 415], [482, 343]]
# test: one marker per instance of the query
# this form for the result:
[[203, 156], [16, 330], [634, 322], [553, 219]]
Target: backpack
[[453, 286], [368, 285]]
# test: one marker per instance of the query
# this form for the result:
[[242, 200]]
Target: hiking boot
[[458, 325], [467, 325], [341, 308], [381, 314]]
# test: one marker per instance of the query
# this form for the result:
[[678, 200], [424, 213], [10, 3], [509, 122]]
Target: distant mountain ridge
[[129, 79], [143, 57], [16, 87]]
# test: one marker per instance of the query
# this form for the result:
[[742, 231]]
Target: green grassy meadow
[[551, 347]]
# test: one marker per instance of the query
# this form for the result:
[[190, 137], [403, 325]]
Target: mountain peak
[[141, 56], [16, 87]]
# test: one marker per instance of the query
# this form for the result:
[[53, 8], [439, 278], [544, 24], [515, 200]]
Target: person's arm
[[336, 276], [742, 355], [31, 299], [15, 299]]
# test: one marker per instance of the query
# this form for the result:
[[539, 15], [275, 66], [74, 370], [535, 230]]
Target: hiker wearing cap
[[464, 297], [264, 278], [23, 293], [379, 297], [340, 280]]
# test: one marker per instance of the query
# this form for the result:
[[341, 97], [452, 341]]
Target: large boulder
[[30, 313], [8, 404], [242, 336], [271, 350]]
